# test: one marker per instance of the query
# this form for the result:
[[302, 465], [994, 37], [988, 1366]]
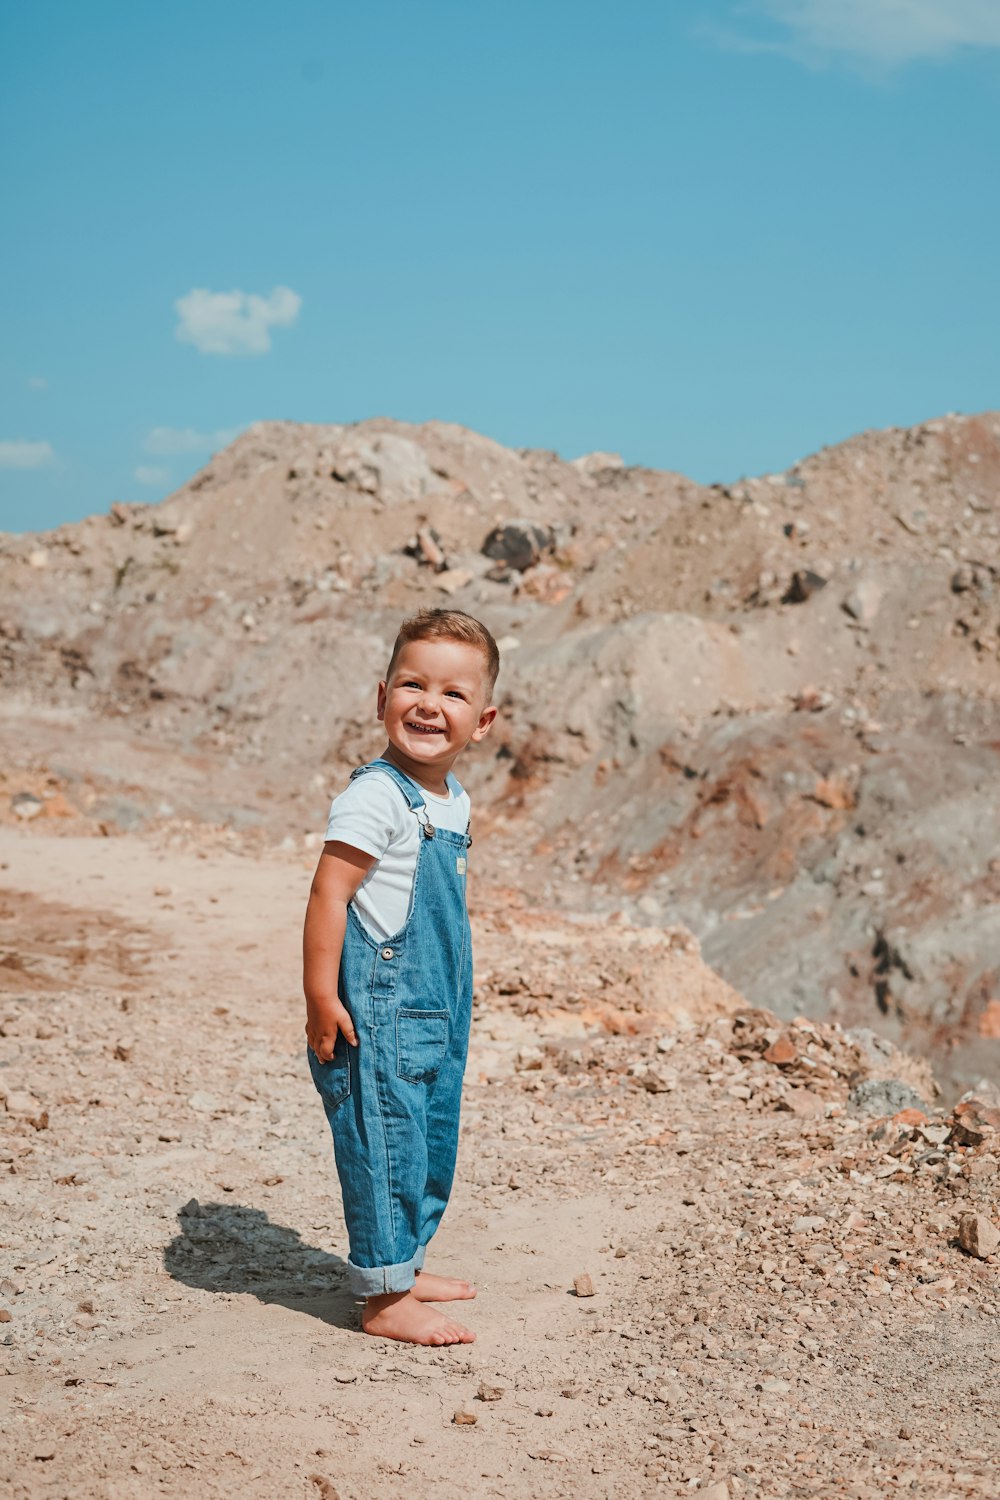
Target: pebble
[[978, 1235], [464, 1417], [583, 1285]]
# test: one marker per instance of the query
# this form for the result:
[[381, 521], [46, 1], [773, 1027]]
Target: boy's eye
[[454, 693]]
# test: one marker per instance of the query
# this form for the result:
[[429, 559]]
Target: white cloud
[[234, 322], [148, 474], [885, 32], [168, 441], [37, 383], [17, 454]]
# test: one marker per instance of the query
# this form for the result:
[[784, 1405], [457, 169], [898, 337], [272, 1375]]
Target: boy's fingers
[[347, 1026]]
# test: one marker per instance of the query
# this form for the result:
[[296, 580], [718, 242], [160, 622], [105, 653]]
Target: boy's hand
[[321, 1029], [340, 871]]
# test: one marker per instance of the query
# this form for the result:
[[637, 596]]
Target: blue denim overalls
[[393, 1101]]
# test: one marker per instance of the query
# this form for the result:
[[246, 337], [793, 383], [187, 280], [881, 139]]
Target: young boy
[[388, 972]]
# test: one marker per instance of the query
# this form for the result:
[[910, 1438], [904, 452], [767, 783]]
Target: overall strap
[[409, 789]]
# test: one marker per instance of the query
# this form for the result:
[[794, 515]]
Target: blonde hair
[[449, 625]]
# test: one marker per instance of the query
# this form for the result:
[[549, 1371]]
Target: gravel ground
[[780, 1303]]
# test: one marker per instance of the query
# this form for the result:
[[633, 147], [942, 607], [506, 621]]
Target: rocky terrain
[[768, 711], [717, 1253], [734, 849]]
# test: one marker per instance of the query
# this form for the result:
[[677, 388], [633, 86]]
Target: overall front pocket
[[333, 1078], [421, 1043]]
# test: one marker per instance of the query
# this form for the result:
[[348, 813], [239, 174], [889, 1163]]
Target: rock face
[[765, 711]]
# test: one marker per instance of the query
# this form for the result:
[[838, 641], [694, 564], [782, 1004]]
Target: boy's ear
[[381, 702], [485, 724]]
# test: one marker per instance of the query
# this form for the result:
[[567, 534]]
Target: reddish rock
[[782, 1052], [909, 1117]]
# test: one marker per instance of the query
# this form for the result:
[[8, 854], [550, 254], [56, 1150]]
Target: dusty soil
[[780, 1304]]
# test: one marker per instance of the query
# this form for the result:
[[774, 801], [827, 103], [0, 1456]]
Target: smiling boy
[[388, 972]]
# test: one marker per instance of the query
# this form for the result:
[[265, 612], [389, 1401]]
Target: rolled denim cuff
[[376, 1281], [418, 1259]]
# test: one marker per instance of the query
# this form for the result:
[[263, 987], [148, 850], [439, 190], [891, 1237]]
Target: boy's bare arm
[[340, 871]]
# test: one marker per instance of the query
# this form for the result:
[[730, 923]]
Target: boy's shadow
[[226, 1247]]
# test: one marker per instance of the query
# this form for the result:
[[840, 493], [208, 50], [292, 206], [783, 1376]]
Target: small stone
[[489, 1392], [978, 1235], [44, 1453], [905, 1434], [19, 1102], [548, 1455], [782, 1052], [324, 1486], [976, 1119], [863, 602], [658, 1080], [775, 1387], [345, 1377], [5, 1315], [583, 1285], [26, 806], [543, 1411], [909, 1117], [804, 583], [124, 1048], [38, 558], [807, 1224], [802, 1102], [464, 1417], [453, 579]]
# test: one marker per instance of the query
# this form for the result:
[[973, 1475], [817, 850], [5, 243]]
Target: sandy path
[[174, 1244]]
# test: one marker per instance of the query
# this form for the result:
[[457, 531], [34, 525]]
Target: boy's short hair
[[449, 625]]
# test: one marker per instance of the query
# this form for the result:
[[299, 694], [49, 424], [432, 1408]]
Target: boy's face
[[435, 701]]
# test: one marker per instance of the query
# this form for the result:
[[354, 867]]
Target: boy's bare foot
[[429, 1288], [399, 1315]]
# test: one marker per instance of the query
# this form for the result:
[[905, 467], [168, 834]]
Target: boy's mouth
[[423, 728]]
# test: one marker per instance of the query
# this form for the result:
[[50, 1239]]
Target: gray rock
[[25, 805], [862, 603], [519, 544], [883, 1096], [803, 585]]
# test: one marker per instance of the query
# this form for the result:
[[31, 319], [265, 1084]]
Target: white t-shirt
[[371, 814]]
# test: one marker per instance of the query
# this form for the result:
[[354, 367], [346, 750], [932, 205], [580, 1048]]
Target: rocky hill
[[768, 711]]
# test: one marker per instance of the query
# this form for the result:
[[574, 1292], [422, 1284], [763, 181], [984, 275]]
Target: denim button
[[386, 952]]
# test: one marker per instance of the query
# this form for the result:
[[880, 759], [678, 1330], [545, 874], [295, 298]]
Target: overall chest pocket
[[333, 1078], [421, 1043]]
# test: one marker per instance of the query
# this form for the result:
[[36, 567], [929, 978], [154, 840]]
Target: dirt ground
[[780, 1305]]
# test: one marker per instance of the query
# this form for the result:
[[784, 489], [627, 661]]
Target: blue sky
[[711, 236]]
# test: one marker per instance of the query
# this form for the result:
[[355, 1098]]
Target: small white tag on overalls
[[460, 864]]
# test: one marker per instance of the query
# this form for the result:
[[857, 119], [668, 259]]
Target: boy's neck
[[418, 773]]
